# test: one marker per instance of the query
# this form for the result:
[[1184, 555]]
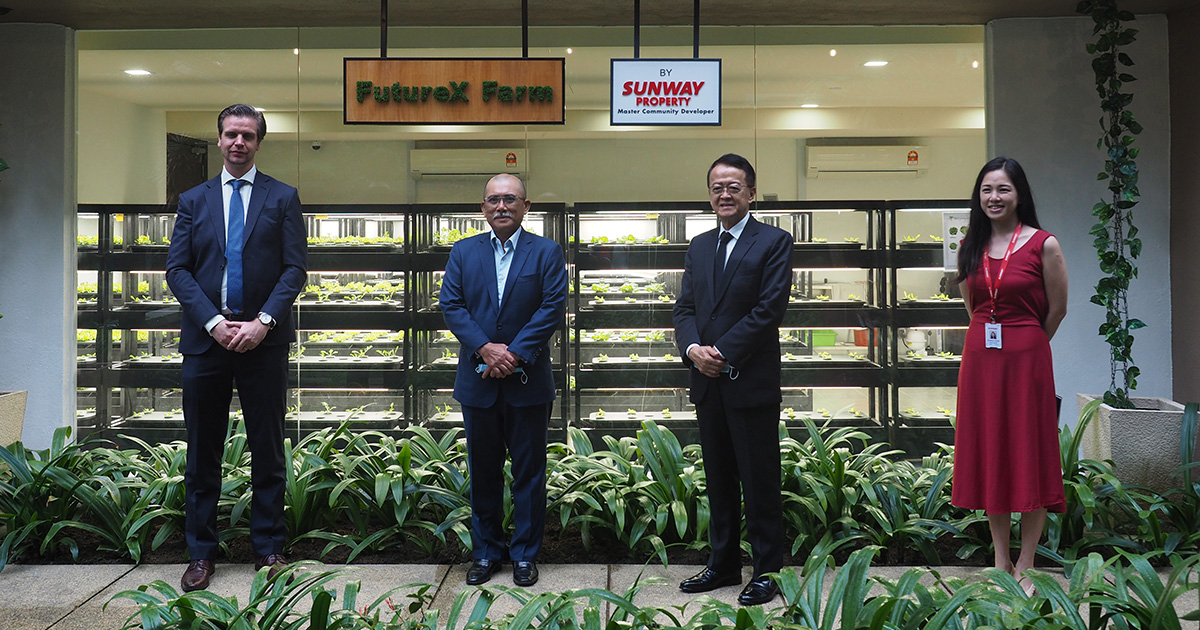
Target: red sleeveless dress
[[1006, 456]]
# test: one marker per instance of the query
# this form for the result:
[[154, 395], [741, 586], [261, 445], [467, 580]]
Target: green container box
[[822, 338]]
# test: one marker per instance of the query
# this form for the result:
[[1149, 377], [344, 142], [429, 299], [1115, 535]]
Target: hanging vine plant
[[1117, 245]]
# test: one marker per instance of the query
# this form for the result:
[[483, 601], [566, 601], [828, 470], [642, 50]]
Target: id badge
[[991, 336]]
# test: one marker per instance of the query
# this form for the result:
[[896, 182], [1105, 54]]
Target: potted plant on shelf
[[1136, 433], [12, 404]]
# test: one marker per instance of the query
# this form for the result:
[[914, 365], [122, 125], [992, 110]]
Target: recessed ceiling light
[[974, 64], [832, 52], [810, 106], [137, 72], [569, 51], [875, 64], [295, 51]]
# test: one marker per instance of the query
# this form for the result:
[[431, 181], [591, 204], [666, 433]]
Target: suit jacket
[[535, 296], [740, 315], [274, 258]]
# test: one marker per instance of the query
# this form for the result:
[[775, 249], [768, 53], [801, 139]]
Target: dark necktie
[[233, 248], [719, 263]]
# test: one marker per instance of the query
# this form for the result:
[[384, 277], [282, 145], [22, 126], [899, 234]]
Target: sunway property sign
[[665, 92], [456, 91]]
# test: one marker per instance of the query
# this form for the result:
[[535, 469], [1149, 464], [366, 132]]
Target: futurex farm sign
[[666, 92], [455, 91]]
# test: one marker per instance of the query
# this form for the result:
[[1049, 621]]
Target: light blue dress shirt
[[226, 193], [503, 253]]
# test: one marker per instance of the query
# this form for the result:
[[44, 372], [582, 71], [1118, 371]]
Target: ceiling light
[[569, 51], [295, 51], [974, 64], [832, 52], [259, 109], [809, 106], [137, 72], [875, 64]]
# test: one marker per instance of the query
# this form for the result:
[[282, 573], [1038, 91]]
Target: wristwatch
[[266, 320]]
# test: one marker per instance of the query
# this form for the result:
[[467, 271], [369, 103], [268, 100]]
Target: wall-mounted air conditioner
[[866, 161], [465, 162]]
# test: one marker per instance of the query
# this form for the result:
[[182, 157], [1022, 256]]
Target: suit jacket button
[[713, 316], [499, 325]]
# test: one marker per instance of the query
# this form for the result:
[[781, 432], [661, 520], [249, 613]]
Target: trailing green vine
[[1117, 245]]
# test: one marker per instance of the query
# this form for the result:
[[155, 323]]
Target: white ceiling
[[929, 70], [142, 14]]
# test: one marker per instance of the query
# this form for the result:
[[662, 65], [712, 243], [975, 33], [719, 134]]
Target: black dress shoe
[[708, 580], [525, 573], [481, 571], [274, 563], [758, 591], [197, 575]]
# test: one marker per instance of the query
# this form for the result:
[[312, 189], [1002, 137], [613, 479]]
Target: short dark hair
[[979, 227], [242, 111], [738, 162]]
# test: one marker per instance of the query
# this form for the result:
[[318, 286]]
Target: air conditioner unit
[[866, 161], [465, 162]]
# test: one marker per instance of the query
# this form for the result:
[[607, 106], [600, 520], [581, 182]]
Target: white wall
[[121, 151], [1043, 112], [352, 172], [606, 170], [37, 224]]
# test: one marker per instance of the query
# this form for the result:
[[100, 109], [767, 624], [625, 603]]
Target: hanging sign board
[[665, 92], [453, 91]]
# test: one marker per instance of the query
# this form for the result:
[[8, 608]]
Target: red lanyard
[[987, 273]]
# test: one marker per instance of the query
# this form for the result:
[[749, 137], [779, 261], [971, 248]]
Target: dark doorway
[[187, 165]]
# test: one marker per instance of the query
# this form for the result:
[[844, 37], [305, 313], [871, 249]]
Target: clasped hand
[[500, 362], [707, 360], [239, 336]]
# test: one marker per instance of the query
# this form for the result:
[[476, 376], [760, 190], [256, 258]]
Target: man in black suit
[[238, 259], [736, 282], [503, 296]]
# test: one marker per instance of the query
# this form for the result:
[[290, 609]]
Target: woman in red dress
[[1013, 279]]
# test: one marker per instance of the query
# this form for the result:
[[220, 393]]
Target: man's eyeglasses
[[733, 189], [494, 200]]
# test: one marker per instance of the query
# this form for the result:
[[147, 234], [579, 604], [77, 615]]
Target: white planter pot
[[12, 416], [1143, 443]]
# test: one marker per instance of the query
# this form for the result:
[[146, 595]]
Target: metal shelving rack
[[412, 388]]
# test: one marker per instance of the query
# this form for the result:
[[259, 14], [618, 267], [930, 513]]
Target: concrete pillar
[[37, 223], [1185, 201], [1043, 111]]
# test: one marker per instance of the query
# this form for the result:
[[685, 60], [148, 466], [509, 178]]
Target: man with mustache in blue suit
[[503, 295]]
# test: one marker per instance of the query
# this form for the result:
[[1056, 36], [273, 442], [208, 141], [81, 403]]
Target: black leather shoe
[[274, 563], [197, 575], [481, 571], [525, 573], [708, 580], [758, 591]]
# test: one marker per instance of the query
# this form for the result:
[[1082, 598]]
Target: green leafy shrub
[[366, 492]]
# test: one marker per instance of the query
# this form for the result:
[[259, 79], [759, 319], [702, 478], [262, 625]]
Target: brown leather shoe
[[275, 561], [197, 575]]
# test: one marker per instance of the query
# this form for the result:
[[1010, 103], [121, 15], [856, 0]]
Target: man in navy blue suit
[[238, 259], [735, 288], [503, 296]]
